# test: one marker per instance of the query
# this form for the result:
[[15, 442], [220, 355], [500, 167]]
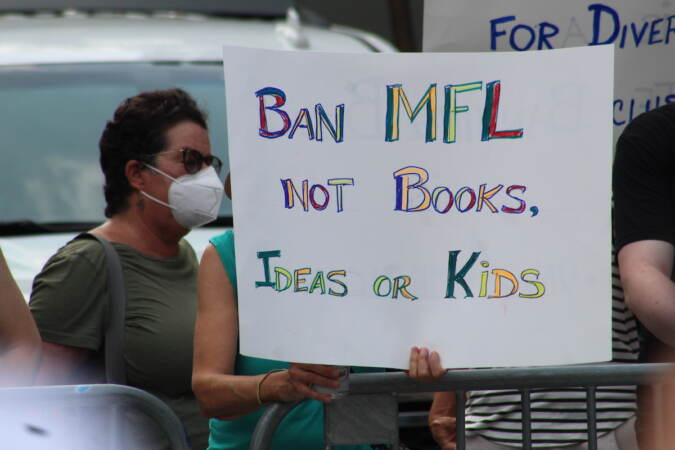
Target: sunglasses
[[193, 160]]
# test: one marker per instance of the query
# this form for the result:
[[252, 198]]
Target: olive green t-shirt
[[69, 303]]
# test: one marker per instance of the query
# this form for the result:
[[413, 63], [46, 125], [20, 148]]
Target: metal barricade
[[57, 417], [378, 385]]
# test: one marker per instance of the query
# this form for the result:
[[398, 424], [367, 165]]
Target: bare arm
[[442, 420], [645, 268], [19, 337], [219, 391]]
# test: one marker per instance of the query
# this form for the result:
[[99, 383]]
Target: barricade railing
[[349, 422], [58, 417]]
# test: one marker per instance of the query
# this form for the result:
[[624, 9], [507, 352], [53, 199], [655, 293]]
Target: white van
[[62, 74]]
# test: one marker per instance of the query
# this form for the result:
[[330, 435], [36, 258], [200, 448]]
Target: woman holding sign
[[232, 388]]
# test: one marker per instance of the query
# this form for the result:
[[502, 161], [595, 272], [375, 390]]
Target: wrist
[[266, 391]]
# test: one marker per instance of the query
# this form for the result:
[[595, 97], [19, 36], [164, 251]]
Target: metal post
[[657, 414], [526, 418], [462, 381], [460, 420], [268, 423], [81, 397], [591, 418]]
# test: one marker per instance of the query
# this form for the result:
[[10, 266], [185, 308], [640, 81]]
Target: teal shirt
[[302, 428]]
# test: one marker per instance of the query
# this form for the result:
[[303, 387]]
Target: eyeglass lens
[[193, 161]]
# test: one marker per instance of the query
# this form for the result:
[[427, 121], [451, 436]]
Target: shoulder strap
[[115, 371]]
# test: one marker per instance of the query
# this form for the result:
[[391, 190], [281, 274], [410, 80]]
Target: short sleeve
[[643, 180], [69, 297]]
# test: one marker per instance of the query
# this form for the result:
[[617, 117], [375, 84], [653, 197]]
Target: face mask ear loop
[[150, 196], [157, 200], [155, 169]]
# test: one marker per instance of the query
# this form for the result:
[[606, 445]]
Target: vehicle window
[[52, 117]]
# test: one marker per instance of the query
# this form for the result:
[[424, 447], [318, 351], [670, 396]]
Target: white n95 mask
[[195, 199]]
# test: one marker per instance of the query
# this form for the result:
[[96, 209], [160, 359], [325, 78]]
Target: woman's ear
[[134, 171]]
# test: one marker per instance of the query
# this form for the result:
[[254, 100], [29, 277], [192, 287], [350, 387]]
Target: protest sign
[[643, 34], [454, 201]]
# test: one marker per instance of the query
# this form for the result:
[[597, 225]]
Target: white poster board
[[643, 33], [370, 256]]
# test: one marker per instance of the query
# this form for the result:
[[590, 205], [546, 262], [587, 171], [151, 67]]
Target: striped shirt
[[559, 415]]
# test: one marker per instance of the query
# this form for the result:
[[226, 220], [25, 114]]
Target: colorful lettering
[[403, 186], [539, 286], [338, 183], [289, 190], [377, 286], [299, 280], [503, 274], [337, 130], [303, 116], [317, 196], [312, 198], [458, 277], [484, 197], [396, 96], [436, 194], [458, 199], [318, 283], [490, 112], [281, 272], [520, 208], [465, 199], [279, 100], [401, 284], [500, 276], [265, 256], [452, 109], [331, 277], [483, 279]]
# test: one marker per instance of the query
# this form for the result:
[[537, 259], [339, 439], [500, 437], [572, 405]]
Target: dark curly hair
[[138, 132]]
